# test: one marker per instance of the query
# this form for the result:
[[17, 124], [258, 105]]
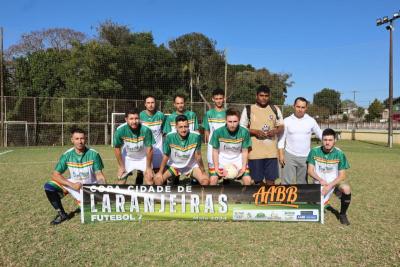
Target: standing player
[[133, 148], [327, 165], [85, 167], [230, 145], [179, 104], [214, 119], [154, 119], [294, 143], [265, 123], [182, 153]]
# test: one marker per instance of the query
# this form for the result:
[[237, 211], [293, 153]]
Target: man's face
[[328, 142], [150, 104], [262, 99], [218, 100], [78, 140], [179, 104], [182, 128], [300, 108], [232, 122], [133, 121]]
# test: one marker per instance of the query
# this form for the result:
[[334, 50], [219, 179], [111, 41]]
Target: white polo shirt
[[296, 139]]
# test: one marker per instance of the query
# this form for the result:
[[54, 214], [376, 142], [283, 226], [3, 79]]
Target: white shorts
[[134, 164]]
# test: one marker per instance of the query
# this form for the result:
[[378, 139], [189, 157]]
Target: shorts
[[187, 171], [335, 190], [261, 169], [134, 164], [62, 190]]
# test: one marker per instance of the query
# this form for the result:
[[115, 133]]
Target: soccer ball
[[230, 171]]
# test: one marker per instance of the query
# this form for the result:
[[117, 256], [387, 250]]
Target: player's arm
[[199, 160], [121, 164], [149, 161], [215, 158], [311, 172], [206, 136], [59, 178], [281, 146], [101, 179], [340, 178], [245, 158]]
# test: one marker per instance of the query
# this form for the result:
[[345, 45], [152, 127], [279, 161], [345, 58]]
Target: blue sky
[[332, 44]]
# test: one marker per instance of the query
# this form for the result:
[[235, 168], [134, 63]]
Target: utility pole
[[390, 28], [2, 90]]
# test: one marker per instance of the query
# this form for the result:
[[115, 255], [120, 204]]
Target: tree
[[201, 64], [396, 101], [375, 110], [328, 98], [55, 38]]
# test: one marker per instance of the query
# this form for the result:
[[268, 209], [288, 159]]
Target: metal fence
[[47, 121]]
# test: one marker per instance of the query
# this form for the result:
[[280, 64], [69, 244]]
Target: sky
[[322, 44]]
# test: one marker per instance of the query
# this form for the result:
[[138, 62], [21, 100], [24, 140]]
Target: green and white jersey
[[213, 120], [230, 144], [170, 122], [328, 165], [133, 142], [82, 167], [155, 123], [181, 151]]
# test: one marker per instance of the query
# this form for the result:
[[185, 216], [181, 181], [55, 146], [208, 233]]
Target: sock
[[55, 200], [345, 203]]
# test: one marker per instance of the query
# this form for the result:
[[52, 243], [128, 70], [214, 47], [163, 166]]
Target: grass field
[[373, 238]]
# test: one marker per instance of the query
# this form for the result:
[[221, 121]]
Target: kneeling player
[[327, 165], [133, 148], [230, 145], [182, 154], [85, 167]]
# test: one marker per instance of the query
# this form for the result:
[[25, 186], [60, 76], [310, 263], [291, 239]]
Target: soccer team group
[[257, 141]]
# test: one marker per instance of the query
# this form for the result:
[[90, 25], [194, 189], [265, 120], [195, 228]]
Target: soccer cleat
[[343, 219], [61, 216]]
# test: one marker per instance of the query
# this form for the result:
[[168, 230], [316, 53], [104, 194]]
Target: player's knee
[[246, 180], [213, 180], [345, 189], [204, 181]]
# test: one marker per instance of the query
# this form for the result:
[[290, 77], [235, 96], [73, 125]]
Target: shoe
[[343, 219], [61, 216]]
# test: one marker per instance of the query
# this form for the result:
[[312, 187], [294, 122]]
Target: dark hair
[[329, 131], [179, 95], [180, 118], [77, 130], [232, 112], [263, 89], [148, 96], [131, 111], [218, 91], [302, 99]]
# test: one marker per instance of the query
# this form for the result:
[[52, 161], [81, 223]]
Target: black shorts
[[261, 169]]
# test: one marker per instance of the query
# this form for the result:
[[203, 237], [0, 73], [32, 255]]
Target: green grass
[[373, 238]]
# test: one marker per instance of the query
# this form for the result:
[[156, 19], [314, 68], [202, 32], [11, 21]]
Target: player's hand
[[158, 178], [261, 134], [121, 172], [149, 173], [323, 182], [270, 133], [241, 172], [76, 186], [282, 160], [326, 189]]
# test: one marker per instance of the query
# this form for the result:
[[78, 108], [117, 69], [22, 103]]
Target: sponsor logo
[[275, 195], [307, 215]]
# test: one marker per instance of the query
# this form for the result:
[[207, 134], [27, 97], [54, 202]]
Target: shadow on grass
[[75, 212], [373, 143], [333, 211]]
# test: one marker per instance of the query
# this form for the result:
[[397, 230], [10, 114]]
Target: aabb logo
[[275, 194]]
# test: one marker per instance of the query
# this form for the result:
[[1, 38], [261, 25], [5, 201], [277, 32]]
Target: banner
[[102, 203]]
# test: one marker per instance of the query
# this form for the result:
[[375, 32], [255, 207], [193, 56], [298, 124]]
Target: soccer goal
[[117, 119], [16, 133]]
